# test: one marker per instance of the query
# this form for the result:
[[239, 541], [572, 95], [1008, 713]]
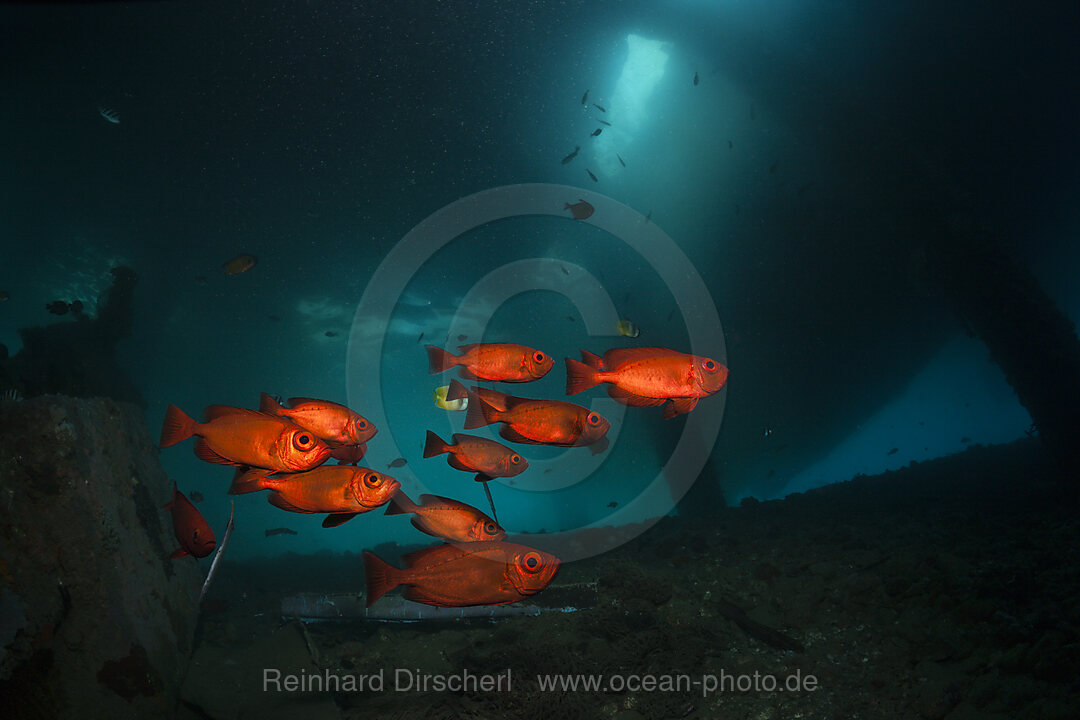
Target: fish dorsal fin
[[629, 398], [617, 356], [204, 452], [213, 412]]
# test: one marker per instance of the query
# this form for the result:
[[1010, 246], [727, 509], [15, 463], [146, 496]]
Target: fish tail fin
[[268, 404], [248, 480], [178, 426], [480, 413], [439, 360], [434, 445], [379, 575], [456, 391], [400, 504], [579, 376]]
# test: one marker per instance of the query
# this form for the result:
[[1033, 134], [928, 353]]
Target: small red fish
[[348, 454], [237, 436], [460, 575], [476, 454], [192, 531], [447, 518], [644, 377], [342, 491], [540, 422], [498, 362], [330, 421], [239, 264]]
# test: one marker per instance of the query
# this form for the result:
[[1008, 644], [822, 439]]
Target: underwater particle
[[330, 333], [893, 451], [4, 296], [591, 175], [696, 79], [109, 115], [585, 98], [399, 462], [239, 264], [580, 210], [280, 531], [627, 328], [766, 432], [196, 496], [571, 156], [596, 132], [442, 403]]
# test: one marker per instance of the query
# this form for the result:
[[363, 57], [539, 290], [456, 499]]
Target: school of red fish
[[282, 448]]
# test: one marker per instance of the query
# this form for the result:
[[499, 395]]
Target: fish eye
[[303, 441], [539, 357], [532, 563], [515, 459], [709, 365], [593, 419], [195, 535], [490, 528], [361, 423], [372, 480]]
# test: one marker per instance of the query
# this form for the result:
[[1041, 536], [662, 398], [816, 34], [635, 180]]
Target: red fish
[[470, 453], [460, 575], [348, 454], [331, 422], [236, 436], [447, 518], [192, 531], [343, 491], [540, 422], [644, 377], [498, 362]]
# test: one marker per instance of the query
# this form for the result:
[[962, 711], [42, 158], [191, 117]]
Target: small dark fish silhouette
[[420, 338], [195, 496], [280, 531], [571, 318], [965, 439], [580, 210], [462, 338], [330, 333], [649, 216], [893, 451], [585, 98], [572, 155], [604, 122], [621, 161], [564, 270], [601, 109], [591, 175], [730, 144], [596, 132], [58, 307], [397, 463], [612, 504], [696, 79], [239, 264]]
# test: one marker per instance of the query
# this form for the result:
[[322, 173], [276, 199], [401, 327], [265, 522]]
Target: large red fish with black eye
[[332, 422], [497, 362], [192, 531], [648, 376], [487, 458], [459, 575], [446, 518], [539, 422]]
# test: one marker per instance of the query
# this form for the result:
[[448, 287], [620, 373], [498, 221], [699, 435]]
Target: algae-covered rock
[[98, 620]]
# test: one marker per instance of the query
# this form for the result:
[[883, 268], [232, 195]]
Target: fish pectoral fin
[[204, 452], [628, 398], [509, 433], [481, 477], [179, 553], [335, 519]]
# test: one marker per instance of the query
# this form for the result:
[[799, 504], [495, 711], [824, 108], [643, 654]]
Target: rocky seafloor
[[948, 589]]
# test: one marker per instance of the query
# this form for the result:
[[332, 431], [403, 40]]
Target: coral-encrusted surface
[[97, 621]]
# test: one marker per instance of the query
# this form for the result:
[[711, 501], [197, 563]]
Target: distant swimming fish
[[596, 132], [572, 155], [330, 333], [196, 496], [109, 114], [591, 175], [4, 295], [604, 122], [696, 79], [627, 329], [398, 462], [580, 210], [893, 451], [965, 439], [442, 403], [601, 109], [585, 98], [239, 264], [612, 504], [621, 161], [766, 432], [280, 531]]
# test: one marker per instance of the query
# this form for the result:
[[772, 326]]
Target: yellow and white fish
[[442, 402]]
